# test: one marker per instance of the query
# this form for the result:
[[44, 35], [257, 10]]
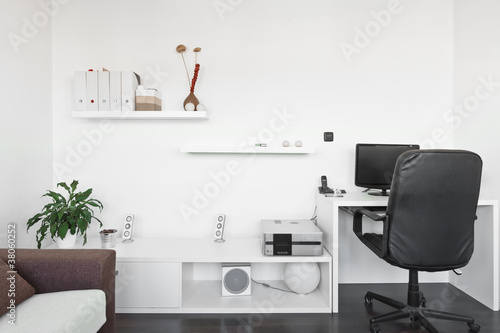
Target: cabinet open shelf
[[129, 115], [204, 296]]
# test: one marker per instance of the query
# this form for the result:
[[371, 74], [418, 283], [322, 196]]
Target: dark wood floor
[[352, 317]]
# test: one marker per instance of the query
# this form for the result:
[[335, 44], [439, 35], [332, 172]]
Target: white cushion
[[77, 311]]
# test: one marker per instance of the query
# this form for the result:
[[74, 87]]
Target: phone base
[[325, 191]]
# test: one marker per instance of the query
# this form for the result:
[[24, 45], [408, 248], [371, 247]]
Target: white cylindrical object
[[68, 242], [302, 277]]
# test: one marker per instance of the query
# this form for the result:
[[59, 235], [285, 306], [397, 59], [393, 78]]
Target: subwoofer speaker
[[236, 280]]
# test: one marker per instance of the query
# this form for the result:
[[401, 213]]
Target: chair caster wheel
[[423, 302], [368, 301], [374, 328], [474, 327]]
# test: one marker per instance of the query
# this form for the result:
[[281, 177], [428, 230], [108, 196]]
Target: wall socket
[[328, 136]]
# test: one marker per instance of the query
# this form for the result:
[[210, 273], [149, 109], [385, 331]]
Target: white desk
[[480, 278]]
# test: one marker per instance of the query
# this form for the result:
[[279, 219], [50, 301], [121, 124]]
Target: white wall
[[262, 57], [26, 116], [477, 104]]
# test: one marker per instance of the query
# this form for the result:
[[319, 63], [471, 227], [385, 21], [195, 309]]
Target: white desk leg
[[326, 213], [480, 276], [335, 260]]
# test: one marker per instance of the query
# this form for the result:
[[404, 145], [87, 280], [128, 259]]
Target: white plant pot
[[68, 242]]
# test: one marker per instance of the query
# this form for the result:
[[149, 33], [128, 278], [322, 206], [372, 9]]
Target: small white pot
[[68, 242]]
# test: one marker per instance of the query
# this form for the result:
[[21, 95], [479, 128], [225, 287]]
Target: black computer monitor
[[375, 165]]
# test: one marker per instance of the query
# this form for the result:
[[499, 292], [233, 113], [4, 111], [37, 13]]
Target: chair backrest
[[432, 208]]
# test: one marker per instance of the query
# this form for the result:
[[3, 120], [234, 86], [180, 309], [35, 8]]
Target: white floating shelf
[[246, 150], [124, 115]]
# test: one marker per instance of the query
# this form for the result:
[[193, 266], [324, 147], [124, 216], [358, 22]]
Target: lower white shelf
[[204, 296]]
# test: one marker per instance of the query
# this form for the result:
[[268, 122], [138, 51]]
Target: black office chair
[[428, 226]]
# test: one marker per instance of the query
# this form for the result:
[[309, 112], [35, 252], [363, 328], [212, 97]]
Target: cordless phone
[[324, 186]]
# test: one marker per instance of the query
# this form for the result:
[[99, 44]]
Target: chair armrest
[[357, 226], [372, 215], [51, 270], [378, 248]]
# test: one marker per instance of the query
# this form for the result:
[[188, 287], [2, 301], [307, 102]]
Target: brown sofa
[[70, 269]]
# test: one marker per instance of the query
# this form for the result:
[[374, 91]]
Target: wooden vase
[[191, 99]]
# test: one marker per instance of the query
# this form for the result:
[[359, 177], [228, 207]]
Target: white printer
[[291, 238]]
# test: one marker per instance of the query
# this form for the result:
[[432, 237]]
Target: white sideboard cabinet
[[147, 285], [177, 275]]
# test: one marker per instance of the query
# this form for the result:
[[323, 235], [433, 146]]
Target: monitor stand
[[382, 193]]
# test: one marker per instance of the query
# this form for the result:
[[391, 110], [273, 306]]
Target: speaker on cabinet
[[127, 228], [219, 228], [236, 280]]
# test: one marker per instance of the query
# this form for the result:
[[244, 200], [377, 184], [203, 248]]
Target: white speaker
[[127, 228], [236, 280], [219, 228]]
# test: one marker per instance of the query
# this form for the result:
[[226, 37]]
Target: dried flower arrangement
[[191, 103]]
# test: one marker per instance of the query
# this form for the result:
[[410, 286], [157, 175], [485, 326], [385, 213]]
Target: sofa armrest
[[51, 270]]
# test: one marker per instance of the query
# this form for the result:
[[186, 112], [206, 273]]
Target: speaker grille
[[236, 281]]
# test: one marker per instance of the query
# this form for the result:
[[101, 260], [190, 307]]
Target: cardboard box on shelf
[[147, 99]]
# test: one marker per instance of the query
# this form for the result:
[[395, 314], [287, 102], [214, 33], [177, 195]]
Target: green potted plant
[[65, 217]]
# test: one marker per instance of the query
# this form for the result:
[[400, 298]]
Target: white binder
[[80, 91], [103, 91], [130, 81], [115, 90], [92, 91]]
